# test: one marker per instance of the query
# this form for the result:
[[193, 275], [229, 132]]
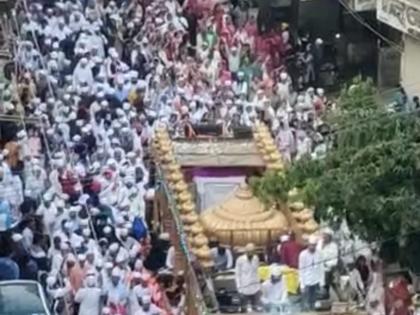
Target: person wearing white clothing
[[222, 257], [329, 255], [147, 307], [357, 287], [246, 276], [311, 274], [89, 297], [170, 258], [274, 291], [303, 145], [375, 298]]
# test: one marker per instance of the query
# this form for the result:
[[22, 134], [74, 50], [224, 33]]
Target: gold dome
[[197, 229], [275, 156], [180, 187], [297, 206], [275, 166], [306, 214], [293, 192], [168, 158], [200, 240], [187, 207], [183, 197], [190, 219], [310, 227], [260, 145], [166, 143], [203, 253], [174, 168], [175, 177], [266, 158], [243, 219], [270, 149], [165, 149]]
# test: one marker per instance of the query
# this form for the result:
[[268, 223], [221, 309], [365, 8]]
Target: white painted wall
[[410, 66]]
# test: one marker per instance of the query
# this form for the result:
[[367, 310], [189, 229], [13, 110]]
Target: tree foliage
[[370, 175]]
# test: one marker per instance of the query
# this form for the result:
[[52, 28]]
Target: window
[[21, 299]]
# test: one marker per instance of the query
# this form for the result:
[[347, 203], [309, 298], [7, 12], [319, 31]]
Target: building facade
[[404, 16]]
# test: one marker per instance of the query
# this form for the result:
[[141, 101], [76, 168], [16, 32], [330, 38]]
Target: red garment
[[251, 28], [398, 297], [192, 7], [225, 75], [76, 276], [117, 309], [289, 253], [276, 49], [68, 183], [205, 6], [95, 186], [319, 105], [262, 47]]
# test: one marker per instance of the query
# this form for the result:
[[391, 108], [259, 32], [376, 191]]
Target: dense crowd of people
[[91, 82], [300, 277]]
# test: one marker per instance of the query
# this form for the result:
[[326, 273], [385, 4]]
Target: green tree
[[370, 175]]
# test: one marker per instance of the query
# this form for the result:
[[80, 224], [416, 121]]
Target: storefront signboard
[[364, 5], [404, 15]]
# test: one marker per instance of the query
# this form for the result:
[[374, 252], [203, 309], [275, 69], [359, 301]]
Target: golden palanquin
[[242, 219]]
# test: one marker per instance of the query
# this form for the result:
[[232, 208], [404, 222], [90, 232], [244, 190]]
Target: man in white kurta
[[274, 291], [147, 307], [246, 276], [89, 297], [329, 255], [311, 274]]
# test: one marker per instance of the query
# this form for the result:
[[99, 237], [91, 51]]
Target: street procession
[[194, 157]]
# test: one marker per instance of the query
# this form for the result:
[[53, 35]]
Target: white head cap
[[124, 232], [328, 231], [275, 270], [51, 280], [99, 263], [250, 247], [138, 265], [116, 272], [108, 265], [146, 299], [107, 229], [283, 76], [113, 248], [313, 240], [90, 281], [320, 91], [284, 238], [164, 236], [17, 237]]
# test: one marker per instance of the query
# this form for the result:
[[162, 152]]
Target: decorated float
[[203, 194]]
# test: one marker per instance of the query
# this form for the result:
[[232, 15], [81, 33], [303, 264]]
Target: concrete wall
[[410, 66]]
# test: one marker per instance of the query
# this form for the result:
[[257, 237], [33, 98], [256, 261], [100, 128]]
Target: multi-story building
[[404, 16], [400, 59]]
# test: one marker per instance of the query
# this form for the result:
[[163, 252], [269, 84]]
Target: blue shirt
[[6, 220]]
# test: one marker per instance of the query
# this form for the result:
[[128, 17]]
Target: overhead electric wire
[[359, 19]]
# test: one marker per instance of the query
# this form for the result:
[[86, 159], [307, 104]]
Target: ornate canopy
[[242, 219]]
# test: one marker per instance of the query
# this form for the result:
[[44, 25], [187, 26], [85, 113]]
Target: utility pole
[[294, 16]]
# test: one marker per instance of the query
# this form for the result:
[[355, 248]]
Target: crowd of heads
[[91, 80]]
